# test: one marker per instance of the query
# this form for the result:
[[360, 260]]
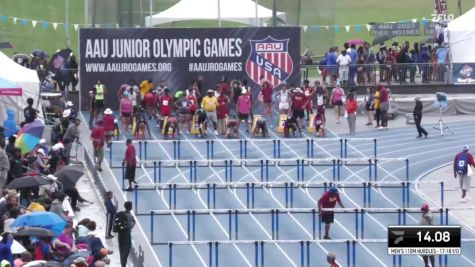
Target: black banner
[[178, 56]]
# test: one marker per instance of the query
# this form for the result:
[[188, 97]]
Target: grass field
[[308, 12]]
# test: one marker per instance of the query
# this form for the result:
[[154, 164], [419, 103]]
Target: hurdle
[[347, 140]]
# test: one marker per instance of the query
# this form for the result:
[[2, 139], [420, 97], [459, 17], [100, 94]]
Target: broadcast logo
[[269, 58]]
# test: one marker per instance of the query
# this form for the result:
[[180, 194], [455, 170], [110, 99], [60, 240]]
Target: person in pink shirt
[[337, 100], [266, 94], [244, 108], [126, 109]]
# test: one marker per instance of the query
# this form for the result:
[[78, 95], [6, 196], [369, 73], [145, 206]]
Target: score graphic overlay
[[424, 240]]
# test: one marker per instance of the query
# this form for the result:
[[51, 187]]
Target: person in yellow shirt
[[377, 106], [145, 87], [210, 105]]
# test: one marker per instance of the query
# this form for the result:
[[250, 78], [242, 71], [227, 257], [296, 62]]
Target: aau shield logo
[[269, 58]]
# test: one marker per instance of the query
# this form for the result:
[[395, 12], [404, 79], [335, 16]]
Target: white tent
[[26, 79], [462, 38], [241, 11]]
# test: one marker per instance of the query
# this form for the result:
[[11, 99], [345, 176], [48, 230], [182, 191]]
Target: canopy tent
[[15, 77], [242, 11], [462, 38]]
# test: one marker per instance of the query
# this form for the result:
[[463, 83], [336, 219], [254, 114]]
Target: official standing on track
[[417, 113], [427, 219], [130, 163], [463, 164], [328, 201]]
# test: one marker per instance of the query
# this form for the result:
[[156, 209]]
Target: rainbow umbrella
[[29, 136]]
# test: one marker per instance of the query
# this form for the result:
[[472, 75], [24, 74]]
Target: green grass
[[320, 12]]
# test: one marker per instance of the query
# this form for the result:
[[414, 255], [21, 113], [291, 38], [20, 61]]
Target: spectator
[[328, 201], [130, 163], [2, 137], [463, 164], [193, 106], [337, 100], [377, 106], [57, 204], [125, 239], [126, 108], [24, 259], [427, 219], [98, 139], [417, 113], [331, 259], [331, 62], [412, 66], [4, 167], [322, 99], [6, 248], [135, 99], [16, 166], [71, 135], [351, 108], [73, 114], [64, 244], [111, 211], [369, 58], [10, 126], [236, 92], [343, 62], [99, 93], [354, 59], [30, 112], [368, 100], [381, 59], [283, 98], [403, 59], [200, 121], [244, 109], [210, 105]]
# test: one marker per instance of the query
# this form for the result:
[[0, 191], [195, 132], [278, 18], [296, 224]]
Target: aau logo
[[269, 58]]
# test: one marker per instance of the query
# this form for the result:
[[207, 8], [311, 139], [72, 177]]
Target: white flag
[[327, 27], [55, 25], [34, 22], [368, 27], [14, 20], [305, 28], [76, 27], [347, 27], [117, 25], [414, 20]]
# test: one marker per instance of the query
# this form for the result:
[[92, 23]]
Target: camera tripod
[[440, 126]]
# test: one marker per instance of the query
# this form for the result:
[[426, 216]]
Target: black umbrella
[[39, 53], [34, 231], [28, 181], [68, 176], [382, 38]]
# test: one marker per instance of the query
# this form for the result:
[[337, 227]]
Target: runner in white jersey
[[283, 98]]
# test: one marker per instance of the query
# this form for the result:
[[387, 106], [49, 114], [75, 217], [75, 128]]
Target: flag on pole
[[55, 25], [347, 28], [33, 23], [305, 28]]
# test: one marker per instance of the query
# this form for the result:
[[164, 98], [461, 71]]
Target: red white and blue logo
[[269, 58]]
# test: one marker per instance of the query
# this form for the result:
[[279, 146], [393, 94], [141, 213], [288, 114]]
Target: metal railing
[[372, 74]]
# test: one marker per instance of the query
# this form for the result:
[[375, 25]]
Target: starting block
[[280, 123], [311, 124], [194, 125]]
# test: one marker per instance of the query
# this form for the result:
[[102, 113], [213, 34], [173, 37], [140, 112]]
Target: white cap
[[243, 91], [41, 151], [298, 90], [69, 104], [91, 92], [466, 147], [52, 177], [66, 113], [42, 141], [108, 111], [57, 147]]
